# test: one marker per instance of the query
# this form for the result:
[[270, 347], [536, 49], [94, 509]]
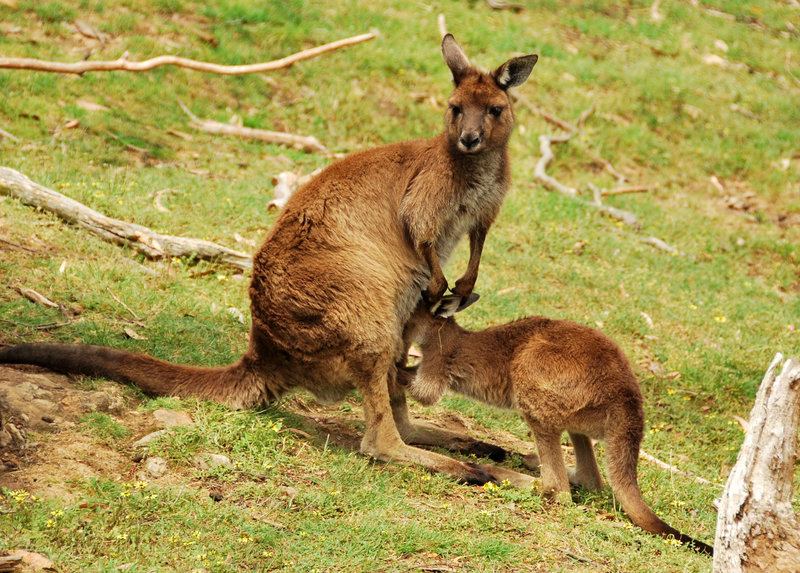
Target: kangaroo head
[[479, 114]]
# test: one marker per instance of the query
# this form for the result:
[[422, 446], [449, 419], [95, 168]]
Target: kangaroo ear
[[467, 302], [515, 71], [451, 304], [455, 58], [446, 307]]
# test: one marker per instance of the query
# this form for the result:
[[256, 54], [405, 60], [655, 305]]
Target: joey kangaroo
[[342, 269], [560, 376]]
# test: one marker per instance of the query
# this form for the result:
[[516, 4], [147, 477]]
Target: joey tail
[[622, 455], [237, 385]]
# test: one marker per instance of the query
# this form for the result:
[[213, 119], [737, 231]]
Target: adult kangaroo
[[560, 376], [342, 269]]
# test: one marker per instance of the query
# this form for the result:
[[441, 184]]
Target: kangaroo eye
[[496, 111], [455, 109]]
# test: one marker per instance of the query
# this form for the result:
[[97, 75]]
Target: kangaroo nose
[[469, 140]]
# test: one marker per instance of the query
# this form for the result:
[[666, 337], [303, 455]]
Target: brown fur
[[342, 269], [561, 376]]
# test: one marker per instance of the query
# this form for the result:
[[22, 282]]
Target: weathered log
[[757, 528], [124, 64], [153, 245]]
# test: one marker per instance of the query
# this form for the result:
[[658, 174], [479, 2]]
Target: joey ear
[[515, 71], [455, 58]]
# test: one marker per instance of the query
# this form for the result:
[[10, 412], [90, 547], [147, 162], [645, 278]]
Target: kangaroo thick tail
[[622, 458], [236, 385]]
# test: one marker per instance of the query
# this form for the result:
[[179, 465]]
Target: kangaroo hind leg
[[586, 472], [382, 439], [555, 482]]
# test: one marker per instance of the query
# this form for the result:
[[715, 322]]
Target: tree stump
[[757, 528]]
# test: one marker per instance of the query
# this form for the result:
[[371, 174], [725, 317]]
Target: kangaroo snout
[[470, 141]]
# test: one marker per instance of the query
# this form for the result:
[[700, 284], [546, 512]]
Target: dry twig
[[629, 189], [5, 134], [540, 169], [153, 245], [124, 64], [133, 314], [36, 297], [670, 468], [304, 142]]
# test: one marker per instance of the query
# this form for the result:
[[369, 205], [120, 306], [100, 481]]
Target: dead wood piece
[[286, 183], [539, 171], [306, 143], [548, 117], [621, 215], [670, 468], [629, 189], [757, 528], [124, 64], [606, 165], [153, 245], [36, 297], [10, 563], [504, 5], [5, 134], [442, 25], [661, 245]]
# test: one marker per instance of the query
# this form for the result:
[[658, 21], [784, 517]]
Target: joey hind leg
[[586, 472], [555, 482]]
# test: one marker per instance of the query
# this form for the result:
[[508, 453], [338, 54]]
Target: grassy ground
[[709, 91]]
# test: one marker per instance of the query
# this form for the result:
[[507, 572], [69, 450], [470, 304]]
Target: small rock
[[145, 441], [207, 461], [33, 561], [168, 418], [288, 491], [156, 467]]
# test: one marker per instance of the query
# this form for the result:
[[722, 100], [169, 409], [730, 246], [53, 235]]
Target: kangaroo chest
[[476, 201]]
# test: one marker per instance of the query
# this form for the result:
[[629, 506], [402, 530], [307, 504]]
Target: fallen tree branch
[[757, 528], [661, 245], [621, 215], [548, 117], [151, 244], [540, 174], [304, 142], [440, 23], [539, 170], [124, 64]]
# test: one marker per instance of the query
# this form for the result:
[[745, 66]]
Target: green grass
[[662, 116]]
